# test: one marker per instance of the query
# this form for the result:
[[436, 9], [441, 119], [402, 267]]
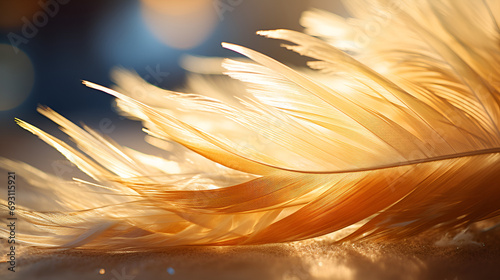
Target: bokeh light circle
[[180, 24], [16, 77]]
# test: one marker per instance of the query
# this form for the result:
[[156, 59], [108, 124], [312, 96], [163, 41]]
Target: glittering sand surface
[[318, 258]]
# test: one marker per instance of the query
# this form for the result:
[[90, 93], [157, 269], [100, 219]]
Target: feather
[[380, 141]]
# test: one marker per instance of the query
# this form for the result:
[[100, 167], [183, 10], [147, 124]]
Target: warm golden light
[[180, 24], [14, 14], [383, 138]]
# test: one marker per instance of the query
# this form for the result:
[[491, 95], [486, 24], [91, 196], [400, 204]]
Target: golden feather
[[394, 134]]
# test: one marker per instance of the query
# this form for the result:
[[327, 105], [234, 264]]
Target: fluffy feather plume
[[395, 132]]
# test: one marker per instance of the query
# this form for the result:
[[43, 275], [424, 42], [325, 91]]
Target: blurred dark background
[[48, 46]]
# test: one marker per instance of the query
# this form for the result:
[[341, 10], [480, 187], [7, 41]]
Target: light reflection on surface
[[317, 258]]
